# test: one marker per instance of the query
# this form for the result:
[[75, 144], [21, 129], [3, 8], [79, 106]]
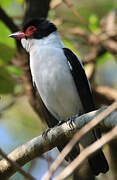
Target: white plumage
[[51, 74]]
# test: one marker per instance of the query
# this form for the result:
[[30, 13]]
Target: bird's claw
[[72, 118], [71, 121], [45, 133]]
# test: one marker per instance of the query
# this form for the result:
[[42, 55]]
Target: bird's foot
[[45, 133], [72, 118], [71, 121]]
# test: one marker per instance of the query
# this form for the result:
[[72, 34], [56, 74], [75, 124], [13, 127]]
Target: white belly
[[54, 82]]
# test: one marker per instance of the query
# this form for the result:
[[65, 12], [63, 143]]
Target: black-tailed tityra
[[61, 81]]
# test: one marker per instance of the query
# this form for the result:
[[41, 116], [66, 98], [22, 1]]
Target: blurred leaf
[[94, 22], [19, 89], [5, 3], [20, 1], [13, 70], [15, 9], [93, 19], [104, 58], [69, 45], [6, 53], [4, 31], [6, 82]]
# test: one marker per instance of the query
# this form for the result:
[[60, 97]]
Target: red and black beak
[[17, 35]]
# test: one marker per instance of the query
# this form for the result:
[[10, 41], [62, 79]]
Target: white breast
[[54, 82], [51, 74]]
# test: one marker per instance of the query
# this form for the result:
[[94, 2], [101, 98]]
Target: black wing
[[85, 94], [81, 80]]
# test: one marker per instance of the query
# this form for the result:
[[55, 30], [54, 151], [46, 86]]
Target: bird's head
[[35, 29]]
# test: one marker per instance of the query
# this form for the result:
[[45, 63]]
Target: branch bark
[[16, 166], [57, 135], [104, 95], [86, 153], [78, 135]]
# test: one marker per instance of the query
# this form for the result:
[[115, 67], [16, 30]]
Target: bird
[[61, 81]]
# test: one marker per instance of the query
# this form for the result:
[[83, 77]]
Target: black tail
[[72, 154], [98, 163]]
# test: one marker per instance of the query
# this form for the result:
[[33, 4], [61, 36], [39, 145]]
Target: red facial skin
[[30, 30], [20, 34]]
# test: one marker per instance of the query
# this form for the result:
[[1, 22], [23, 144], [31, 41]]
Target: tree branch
[[57, 135], [78, 135], [104, 95], [80, 18], [10, 24], [3, 109], [16, 166], [86, 153], [36, 9], [8, 21]]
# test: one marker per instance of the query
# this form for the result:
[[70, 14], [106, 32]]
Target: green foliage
[[6, 53], [5, 3], [104, 58], [94, 22], [20, 1], [6, 82], [13, 70], [70, 45], [4, 31]]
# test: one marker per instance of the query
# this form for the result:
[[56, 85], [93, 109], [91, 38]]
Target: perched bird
[[61, 81]]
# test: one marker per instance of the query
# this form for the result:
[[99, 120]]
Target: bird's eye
[[31, 29]]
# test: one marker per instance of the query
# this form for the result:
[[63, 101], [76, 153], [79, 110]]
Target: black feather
[[98, 161], [44, 27]]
